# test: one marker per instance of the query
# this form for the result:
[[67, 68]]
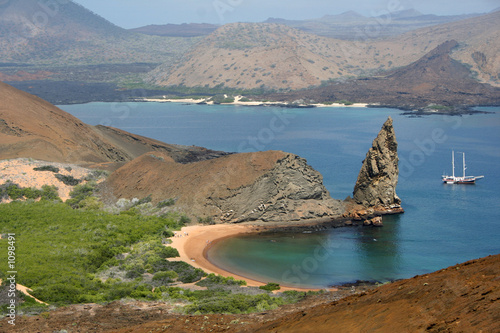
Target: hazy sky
[[136, 13]]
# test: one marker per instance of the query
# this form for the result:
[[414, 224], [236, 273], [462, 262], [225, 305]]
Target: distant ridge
[[348, 25], [33, 128], [178, 30], [436, 78], [64, 32], [275, 56]]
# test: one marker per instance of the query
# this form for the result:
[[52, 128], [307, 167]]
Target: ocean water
[[443, 224]]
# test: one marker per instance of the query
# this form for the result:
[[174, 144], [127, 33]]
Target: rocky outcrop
[[290, 191], [270, 186], [377, 180]]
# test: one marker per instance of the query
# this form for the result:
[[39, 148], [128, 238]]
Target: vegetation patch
[[271, 286], [213, 280], [13, 191], [50, 168], [61, 250], [67, 179]]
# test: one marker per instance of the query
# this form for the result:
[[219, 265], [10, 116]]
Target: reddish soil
[[461, 298], [33, 128]]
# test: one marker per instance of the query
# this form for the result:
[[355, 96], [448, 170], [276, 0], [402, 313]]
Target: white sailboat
[[456, 179]]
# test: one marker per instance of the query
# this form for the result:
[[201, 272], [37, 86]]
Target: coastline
[[194, 242], [238, 101]]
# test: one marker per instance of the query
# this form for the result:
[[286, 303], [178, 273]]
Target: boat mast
[[464, 163], [453, 162]]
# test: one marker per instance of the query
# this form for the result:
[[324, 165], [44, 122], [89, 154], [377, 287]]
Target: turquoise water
[[443, 224]]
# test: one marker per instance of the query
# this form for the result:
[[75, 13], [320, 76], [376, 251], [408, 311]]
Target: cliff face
[[270, 186], [377, 180], [290, 191]]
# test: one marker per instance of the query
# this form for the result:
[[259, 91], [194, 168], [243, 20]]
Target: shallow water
[[443, 224]]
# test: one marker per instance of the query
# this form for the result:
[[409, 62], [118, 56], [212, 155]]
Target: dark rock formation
[[291, 191], [377, 180], [271, 186]]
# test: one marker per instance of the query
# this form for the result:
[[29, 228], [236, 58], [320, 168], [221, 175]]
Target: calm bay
[[443, 224]]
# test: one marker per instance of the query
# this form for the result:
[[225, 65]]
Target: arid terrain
[[461, 298], [273, 56], [33, 128], [435, 79], [78, 48]]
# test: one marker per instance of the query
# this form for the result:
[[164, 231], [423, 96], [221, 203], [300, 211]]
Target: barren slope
[[267, 186], [254, 55], [462, 298], [436, 78], [64, 32], [31, 127]]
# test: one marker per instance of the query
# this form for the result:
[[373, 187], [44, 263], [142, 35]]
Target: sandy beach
[[193, 242], [238, 101]]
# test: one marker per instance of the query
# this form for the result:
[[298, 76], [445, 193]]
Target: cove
[[443, 224]]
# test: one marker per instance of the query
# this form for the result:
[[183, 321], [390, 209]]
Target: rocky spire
[[377, 180]]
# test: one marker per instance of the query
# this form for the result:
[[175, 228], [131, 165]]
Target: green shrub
[[61, 246], [144, 200], [186, 272], [165, 203], [96, 175], [235, 303], [14, 192], [216, 280], [184, 220], [67, 180], [47, 168], [31, 193], [206, 220], [169, 252], [80, 193], [91, 203], [162, 278], [50, 192], [271, 286], [135, 272], [345, 102]]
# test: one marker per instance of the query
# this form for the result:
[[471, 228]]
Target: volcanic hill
[[436, 79], [33, 128], [273, 56], [267, 186], [64, 32], [270, 186]]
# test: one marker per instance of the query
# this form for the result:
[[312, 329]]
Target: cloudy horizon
[[136, 13]]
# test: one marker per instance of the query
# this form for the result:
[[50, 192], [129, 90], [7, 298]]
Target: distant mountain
[[436, 78], [354, 26], [178, 30], [348, 16], [273, 56], [252, 55], [31, 127], [64, 32]]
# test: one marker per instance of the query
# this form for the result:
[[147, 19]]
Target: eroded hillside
[[273, 56]]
